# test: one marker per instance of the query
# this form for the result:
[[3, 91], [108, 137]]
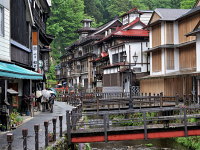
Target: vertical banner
[[46, 61], [35, 57]]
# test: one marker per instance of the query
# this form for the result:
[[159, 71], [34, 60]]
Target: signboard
[[46, 61], [35, 57]]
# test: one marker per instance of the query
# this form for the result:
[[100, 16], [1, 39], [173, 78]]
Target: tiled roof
[[132, 32], [123, 32], [137, 20], [128, 33], [170, 14], [86, 29], [130, 11], [190, 12]]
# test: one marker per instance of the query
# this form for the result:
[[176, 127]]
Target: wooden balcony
[[38, 20]]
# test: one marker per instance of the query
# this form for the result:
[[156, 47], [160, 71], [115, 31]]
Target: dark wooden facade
[[20, 32]]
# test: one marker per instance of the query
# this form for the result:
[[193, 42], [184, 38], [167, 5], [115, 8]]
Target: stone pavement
[[59, 109]]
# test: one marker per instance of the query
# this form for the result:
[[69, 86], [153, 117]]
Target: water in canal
[[157, 144]]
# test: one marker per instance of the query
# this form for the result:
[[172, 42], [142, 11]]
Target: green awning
[[13, 71]]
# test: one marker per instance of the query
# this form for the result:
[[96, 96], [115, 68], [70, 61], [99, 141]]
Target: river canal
[[157, 144]]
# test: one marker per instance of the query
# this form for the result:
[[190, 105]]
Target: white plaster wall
[[162, 33], [145, 17], [137, 26], [136, 47], [5, 39], [176, 39], [198, 52], [151, 71], [111, 70], [150, 37], [112, 89], [163, 61], [132, 17]]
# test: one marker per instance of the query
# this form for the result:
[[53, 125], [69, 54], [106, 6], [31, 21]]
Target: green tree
[[92, 8], [187, 4], [65, 20]]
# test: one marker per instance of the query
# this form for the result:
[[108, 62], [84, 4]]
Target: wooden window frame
[[170, 59]]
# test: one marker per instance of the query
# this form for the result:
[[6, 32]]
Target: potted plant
[[2, 127], [19, 120], [50, 137]]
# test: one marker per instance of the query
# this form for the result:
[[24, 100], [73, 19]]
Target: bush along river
[[156, 144]]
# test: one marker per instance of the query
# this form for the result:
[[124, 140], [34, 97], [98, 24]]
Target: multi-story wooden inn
[[174, 52]]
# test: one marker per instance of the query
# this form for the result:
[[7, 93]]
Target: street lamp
[[135, 58]]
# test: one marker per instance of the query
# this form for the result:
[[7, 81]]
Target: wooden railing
[[142, 121], [109, 101]]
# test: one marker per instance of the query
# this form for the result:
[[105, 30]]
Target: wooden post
[[24, 134], [68, 127], [36, 128], [185, 122], [46, 124], [189, 100], [161, 99], [145, 125], [97, 105], [54, 128], [60, 119], [73, 119], [10, 140], [150, 99], [177, 100], [184, 99], [105, 127]]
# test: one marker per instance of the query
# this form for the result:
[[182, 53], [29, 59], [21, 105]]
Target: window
[[1, 21], [121, 56], [115, 58], [170, 59]]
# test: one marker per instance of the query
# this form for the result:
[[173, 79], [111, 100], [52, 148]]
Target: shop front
[[15, 83]]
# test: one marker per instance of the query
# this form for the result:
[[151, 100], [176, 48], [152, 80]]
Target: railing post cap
[[54, 120], [10, 137], [24, 132], [46, 123], [60, 117], [36, 127]]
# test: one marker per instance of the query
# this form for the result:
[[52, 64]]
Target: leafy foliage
[[191, 142], [187, 4]]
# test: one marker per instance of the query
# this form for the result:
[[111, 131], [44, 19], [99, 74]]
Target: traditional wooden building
[[77, 64], [40, 39], [173, 53], [125, 42], [18, 74]]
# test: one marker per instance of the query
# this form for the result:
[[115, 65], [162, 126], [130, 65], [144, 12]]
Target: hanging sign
[[35, 57]]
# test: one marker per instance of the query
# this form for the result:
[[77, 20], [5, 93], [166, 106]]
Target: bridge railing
[[108, 101], [139, 101], [141, 121]]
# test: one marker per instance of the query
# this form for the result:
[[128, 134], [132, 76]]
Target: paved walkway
[[59, 109]]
